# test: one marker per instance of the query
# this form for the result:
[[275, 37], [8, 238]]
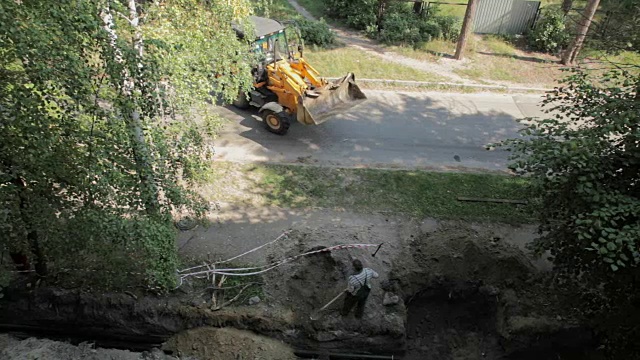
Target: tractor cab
[[274, 41]]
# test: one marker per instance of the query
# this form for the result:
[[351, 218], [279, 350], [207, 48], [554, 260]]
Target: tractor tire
[[277, 123], [241, 101]]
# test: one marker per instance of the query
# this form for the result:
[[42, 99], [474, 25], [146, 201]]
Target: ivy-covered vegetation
[[103, 121]]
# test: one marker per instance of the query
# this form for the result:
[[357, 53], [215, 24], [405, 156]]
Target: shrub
[[316, 32], [549, 34], [403, 27], [450, 26], [358, 14], [400, 28]]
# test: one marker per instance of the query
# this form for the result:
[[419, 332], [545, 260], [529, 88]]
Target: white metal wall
[[505, 16]]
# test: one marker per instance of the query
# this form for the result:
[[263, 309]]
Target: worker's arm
[[374, 274], [350, 287]]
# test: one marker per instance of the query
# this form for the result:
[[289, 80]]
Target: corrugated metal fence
[[505, 16]]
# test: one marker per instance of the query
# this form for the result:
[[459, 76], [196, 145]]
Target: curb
[[447, 84]]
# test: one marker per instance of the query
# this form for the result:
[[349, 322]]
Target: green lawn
[[416, 193], [337, 62]]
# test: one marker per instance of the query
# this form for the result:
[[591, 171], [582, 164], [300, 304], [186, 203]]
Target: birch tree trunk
[[131, 110]]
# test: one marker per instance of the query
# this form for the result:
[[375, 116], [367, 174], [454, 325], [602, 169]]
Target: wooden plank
[[500, 201]]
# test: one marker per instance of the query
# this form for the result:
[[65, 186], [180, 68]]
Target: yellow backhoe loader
[[286, 86]]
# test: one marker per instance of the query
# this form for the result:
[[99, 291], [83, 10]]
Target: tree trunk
[[570, 55], [466, 28], [140, 150], [566, 6], [382, 5]]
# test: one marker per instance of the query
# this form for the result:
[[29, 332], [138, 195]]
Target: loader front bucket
[[336, 97]]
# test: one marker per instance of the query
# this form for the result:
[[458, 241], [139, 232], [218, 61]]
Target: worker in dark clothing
[[358, 289]]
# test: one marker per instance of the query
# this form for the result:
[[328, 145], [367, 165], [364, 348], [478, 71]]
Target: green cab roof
[[262, 26]]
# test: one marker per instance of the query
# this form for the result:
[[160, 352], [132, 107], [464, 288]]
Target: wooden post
[[467, 25], [571, 54]]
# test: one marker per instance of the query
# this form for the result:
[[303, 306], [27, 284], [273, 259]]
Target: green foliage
[[359, 14], [450, 27], [619, 27], [584, 162], [399, 24], [103, 126], [316, 32], [402, 26], [550, 33]]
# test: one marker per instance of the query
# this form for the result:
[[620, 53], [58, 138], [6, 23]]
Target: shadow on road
[[389, 130]]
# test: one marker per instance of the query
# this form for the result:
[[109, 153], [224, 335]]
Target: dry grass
[[337, 62]]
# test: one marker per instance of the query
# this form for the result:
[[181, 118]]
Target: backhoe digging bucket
[[321, 103]]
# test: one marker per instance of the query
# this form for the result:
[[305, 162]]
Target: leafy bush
[[400, 25], [584, 163], [316, 32], [400, 28], [549, 34], [450, 26], [358, 14], [405, 27]]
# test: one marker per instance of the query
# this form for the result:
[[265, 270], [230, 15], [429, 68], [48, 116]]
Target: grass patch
[[337, 62], [450, 9], [499, 46], [415, 193], [494, 58]]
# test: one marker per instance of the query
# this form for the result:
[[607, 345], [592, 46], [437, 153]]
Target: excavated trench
[[443, 324], [462, 296]]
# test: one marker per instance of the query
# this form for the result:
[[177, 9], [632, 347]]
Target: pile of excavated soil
[[455, 252], [227, 343], [44, 349]]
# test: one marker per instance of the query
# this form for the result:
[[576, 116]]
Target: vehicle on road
[[286, 86]]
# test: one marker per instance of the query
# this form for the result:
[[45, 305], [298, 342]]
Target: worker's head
[[357, 265]]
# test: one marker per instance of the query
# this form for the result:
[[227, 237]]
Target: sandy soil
[[12, 348], [227, 344]]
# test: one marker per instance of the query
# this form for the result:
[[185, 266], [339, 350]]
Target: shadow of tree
[[389, 130], [519, 57]]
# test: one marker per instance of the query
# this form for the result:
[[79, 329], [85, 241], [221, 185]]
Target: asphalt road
[[439, 131]]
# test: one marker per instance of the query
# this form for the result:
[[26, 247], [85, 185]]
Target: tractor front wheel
[[277, 123]]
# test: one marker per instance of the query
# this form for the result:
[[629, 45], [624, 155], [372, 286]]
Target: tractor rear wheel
[[276, 122]]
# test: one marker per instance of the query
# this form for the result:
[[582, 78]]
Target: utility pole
[[571, 54], [467, 25]]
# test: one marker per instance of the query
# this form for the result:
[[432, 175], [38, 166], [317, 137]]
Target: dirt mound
[[44, 349], [227, 343], [456, 253]]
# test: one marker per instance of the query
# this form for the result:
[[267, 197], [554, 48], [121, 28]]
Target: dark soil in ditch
[[451, 291], [442, 325]]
